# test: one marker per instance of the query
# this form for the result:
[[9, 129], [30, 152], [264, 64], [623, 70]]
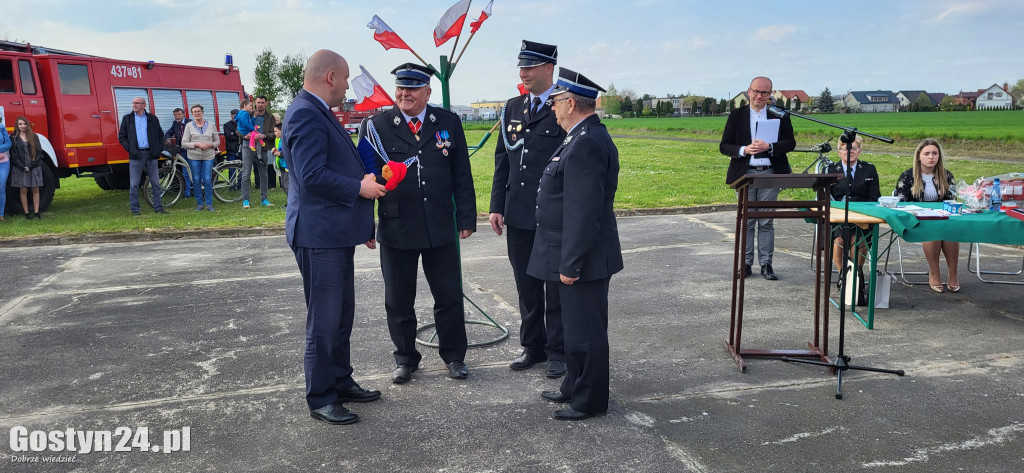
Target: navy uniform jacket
[[865, 182], [576, 231], [737, 135], [517, 171], [324, 206], [418, 213]]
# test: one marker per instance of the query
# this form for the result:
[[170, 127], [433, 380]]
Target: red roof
[[798, 93]]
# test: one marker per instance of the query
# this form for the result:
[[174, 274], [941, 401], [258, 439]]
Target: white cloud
[[958, 10], [773, 33]]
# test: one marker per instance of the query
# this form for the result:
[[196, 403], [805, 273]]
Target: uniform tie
[[535, 107], [414, 126]]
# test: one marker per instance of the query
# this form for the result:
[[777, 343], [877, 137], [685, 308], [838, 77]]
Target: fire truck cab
[[75, 102]]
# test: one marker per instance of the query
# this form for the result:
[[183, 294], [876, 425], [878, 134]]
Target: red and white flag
[[385, 35], [451, 23], [483, 16], [369, 94]]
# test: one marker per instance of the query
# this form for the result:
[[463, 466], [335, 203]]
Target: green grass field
[[989, 134], [654, 173]]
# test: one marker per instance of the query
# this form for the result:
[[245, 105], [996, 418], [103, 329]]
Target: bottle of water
[[997, 196]]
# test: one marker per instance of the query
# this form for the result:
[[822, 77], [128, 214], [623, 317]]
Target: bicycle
[[225, 179], [821, 162]]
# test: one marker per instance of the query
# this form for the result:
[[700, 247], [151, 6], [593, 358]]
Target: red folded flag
[[451, 23], [393, 172], [522, 89], [385, 35], [483, 16]]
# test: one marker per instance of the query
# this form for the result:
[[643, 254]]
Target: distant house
[[907, 97], [967, 99], [937, 97], [781, 96], [871, 101], [995, 97], [740, 100]]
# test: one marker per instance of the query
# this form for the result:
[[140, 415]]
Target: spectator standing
[[249, 145], [203, 138], [26, 172], [5, 163], [279, 162], [231, 137], [264, 122], [176, 131], [140, 134]]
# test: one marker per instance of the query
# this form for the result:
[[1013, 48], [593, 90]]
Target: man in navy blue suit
[[330, 211]]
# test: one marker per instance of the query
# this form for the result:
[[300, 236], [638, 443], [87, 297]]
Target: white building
[[995, 97]]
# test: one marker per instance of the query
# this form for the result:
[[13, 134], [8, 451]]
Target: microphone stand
[[842, 361]]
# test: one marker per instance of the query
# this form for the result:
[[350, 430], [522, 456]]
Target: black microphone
[[778, 111]]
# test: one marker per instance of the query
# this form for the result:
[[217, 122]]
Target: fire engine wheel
[[171, 184], [226, 181], [45, 193]]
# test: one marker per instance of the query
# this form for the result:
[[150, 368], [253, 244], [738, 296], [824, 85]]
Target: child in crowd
[[279, 164], [244, 119]]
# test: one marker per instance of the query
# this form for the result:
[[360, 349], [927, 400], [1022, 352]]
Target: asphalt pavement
[[201, 342]]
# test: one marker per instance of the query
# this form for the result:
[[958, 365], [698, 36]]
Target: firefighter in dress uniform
[[421, 217], [529, 134]]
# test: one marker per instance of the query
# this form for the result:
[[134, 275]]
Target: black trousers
[[328, 282], [585, 318], [539, 304], [441, 269]]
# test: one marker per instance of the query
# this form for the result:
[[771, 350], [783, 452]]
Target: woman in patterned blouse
[[922, 183]]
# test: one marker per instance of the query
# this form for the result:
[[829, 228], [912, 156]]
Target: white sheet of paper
[[767, 131]]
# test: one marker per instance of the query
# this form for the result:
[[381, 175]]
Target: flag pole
[[451, 66], [464, 46], [418, 57]]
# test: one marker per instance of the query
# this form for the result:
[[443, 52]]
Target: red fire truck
[[75, 103]]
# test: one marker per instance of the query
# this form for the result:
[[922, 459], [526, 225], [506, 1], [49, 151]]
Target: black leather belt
[[759, 168]]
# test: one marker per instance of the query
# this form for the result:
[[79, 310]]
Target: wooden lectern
[[818, 210]]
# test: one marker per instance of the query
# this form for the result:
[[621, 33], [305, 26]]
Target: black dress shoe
[[334, 413], [555, 396], [767, 273], [571, 414], [161, 211], [747, 270], [526, 361], [403, 373], [556, 369], [358, 394], [458, 370], [135, 213]]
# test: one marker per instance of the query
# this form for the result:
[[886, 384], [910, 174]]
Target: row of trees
[[627, 103], [279, 80]]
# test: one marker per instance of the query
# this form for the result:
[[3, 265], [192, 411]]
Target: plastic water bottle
[[997, 196]]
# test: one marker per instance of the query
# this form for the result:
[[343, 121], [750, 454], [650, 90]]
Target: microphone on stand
[[778, 111]]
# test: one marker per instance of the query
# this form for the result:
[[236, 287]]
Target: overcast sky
[[702, 47]]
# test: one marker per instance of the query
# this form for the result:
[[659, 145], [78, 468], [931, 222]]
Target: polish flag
[[385, 35], [451, 23], [483, 16], [369, 94]]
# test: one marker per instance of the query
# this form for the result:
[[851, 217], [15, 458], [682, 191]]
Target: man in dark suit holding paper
[[750, 155], [330, 211]]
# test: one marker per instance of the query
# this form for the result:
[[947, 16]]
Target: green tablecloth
[[985, 227]]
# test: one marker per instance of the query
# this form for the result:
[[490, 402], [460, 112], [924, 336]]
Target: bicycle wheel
[[170, 184], [226, 181]]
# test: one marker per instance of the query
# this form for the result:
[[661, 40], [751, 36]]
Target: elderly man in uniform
[[529, 135], [577, 242], [419, 218]]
